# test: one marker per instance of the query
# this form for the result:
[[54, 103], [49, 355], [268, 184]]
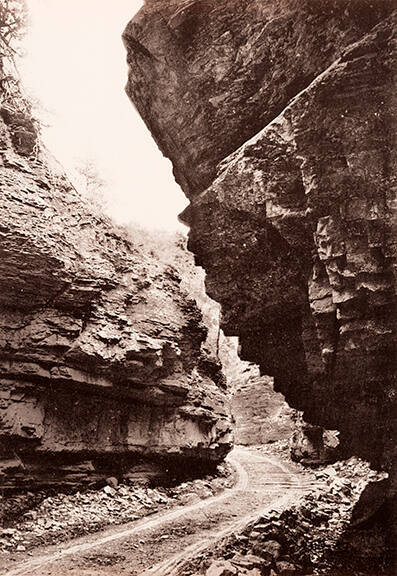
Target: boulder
[[221, 568]]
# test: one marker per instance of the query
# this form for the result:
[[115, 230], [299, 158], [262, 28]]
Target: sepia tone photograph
[[198, 288]]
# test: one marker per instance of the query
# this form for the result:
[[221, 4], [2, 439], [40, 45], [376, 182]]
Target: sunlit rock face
[[261, 415], [279, 118], [101, 350]]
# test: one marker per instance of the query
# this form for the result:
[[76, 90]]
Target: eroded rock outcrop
[[101, 349], [279, 118], [261, 415], [296, 230]]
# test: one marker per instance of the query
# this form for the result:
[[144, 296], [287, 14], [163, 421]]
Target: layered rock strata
[[101, 360], [261, 415], [279, 118], [292, 200]]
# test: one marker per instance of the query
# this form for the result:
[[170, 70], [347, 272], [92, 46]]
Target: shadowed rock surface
[[279, 118], [231, 66], [101, 359], [295, 232]]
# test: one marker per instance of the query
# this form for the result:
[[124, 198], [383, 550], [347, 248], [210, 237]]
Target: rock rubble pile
[[305, 539], [51, 519]]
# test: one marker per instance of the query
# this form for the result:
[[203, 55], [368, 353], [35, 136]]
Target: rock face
[[278, 118], [101, 350], [221, 71], [261, 415]]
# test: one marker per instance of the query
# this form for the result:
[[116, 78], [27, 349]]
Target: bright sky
[[75, 65]]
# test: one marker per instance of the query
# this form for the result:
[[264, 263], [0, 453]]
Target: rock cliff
[[279, 118], [261, 415], [101, 360]]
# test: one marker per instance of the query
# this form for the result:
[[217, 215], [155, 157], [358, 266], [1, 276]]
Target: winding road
[[162, 544]]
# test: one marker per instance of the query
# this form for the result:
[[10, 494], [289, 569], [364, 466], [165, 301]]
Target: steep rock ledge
[[296, 226], [101, 359]]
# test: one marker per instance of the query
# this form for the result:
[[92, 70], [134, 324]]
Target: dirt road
[[161, 544]]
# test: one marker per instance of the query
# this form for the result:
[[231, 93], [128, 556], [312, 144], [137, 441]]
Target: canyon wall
[[261, 415], [101, 350], [279, 119]]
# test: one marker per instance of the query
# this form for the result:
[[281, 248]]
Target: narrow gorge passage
[[162, 543], [135, 360]]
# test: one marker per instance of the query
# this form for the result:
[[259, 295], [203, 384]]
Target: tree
[[91, 183], [13, 16], [13, 21]]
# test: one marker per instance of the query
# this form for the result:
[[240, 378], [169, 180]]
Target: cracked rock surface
[[279, 118], [101, 359], [290, 176]]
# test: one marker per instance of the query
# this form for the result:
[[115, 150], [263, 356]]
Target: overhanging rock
[[279, 120]]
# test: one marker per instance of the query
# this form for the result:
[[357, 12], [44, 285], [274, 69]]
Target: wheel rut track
[[263, 484]]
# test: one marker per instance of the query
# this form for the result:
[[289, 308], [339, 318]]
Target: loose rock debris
[[52, 519], [304, 539]]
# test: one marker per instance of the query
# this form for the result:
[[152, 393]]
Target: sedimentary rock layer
[[261, 415], [101, 356], [279, 120]]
